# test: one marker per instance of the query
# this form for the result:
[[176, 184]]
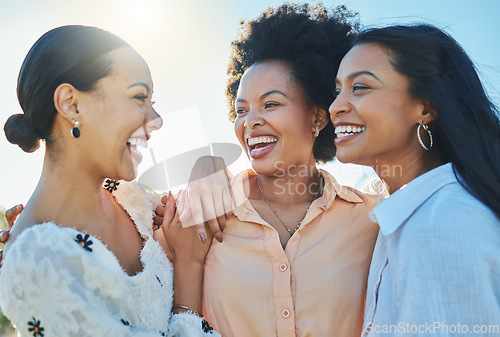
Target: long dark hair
[[467, 129], [311, 40], [68, 54]]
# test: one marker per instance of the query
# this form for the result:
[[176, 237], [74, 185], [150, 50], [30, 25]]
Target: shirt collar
[[331, 189], [395, 210]]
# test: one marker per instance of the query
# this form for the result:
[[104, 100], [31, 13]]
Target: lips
[[133, 143], [347, 131], [260, 145]]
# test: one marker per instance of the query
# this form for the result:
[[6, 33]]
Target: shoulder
[[453, 209], [46, 236], [369, 200], [40, 258], [49, 258], [137, 201], [452, 225]]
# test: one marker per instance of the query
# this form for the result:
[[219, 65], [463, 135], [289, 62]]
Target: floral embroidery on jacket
[[84, 241], [111, 185], [206, 327], [35, 328]]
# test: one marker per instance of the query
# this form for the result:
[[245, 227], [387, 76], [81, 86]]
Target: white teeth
[[137, 142], [260, 140], [347, 130]]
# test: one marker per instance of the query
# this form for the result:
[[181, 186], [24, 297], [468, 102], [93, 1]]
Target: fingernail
[[203, 238], [19, 206]]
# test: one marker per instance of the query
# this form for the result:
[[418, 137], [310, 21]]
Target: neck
[[396, 173], [294, 185], [68, 195]]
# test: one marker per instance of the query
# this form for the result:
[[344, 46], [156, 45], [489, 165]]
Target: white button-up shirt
[[436, 265]]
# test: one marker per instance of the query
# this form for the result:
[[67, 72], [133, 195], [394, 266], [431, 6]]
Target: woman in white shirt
[[410, 104], [81, 259]]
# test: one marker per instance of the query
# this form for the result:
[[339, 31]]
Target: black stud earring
[[75, 131]]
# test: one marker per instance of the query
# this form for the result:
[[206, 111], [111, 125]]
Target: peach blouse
[[316, 286]]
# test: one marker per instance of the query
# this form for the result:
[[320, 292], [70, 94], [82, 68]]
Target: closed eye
[[141, 97], [358, 87]]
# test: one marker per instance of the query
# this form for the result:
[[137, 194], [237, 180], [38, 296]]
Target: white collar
[[391, 213]]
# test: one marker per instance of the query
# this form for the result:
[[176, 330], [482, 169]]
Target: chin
[[129, 174], [345, 156], [269, 167], [262, 168]]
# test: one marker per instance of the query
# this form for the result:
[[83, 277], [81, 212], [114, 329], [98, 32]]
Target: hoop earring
[[426, 128], [316, 131], [75, 131]]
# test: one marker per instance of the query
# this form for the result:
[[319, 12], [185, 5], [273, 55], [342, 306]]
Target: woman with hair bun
[[81, 259], [424, 114]]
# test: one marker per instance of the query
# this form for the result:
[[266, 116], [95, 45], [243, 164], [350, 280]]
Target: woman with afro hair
[[297, 246]]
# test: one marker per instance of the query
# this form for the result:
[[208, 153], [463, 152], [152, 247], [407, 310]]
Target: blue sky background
[[186, 43]]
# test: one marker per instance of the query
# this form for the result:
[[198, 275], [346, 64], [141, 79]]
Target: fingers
[[157, 222], [169, 214], [197, 210], [210, 209], [4, 236], [214, 227], [12, 214], [202, 233], [227, 201]]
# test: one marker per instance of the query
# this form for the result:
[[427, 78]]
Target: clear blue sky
[[186, 44]]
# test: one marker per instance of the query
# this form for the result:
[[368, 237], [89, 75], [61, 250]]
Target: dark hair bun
[[19, 132]]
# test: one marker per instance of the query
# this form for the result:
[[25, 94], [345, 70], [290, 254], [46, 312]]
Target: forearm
[[188, 278]]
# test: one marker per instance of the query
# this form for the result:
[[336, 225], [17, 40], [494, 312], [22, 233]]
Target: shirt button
[[285, 313], [283, 267]]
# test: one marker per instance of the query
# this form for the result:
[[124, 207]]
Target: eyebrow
[[140, 84], [359, 73], [270, 92]]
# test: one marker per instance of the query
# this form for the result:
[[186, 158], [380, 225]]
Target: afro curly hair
[[310, 39]]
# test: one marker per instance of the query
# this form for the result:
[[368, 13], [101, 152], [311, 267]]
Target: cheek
[[239, 130]]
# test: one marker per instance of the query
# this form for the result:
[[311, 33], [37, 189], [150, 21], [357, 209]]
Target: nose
[[253, 119], [153, 122], [338, 106]]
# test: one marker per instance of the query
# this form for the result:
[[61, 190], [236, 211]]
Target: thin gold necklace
[[272, 209]]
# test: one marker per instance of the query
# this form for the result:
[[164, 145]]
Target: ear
[[320, 117], [428, 113], [65, 101]]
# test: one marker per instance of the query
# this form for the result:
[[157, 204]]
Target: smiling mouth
[[348, 130], [133, 144], [258, 145], [137, 142]]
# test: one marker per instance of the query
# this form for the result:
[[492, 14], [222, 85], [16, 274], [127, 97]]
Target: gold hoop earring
[[426, 128], [316, 131]]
